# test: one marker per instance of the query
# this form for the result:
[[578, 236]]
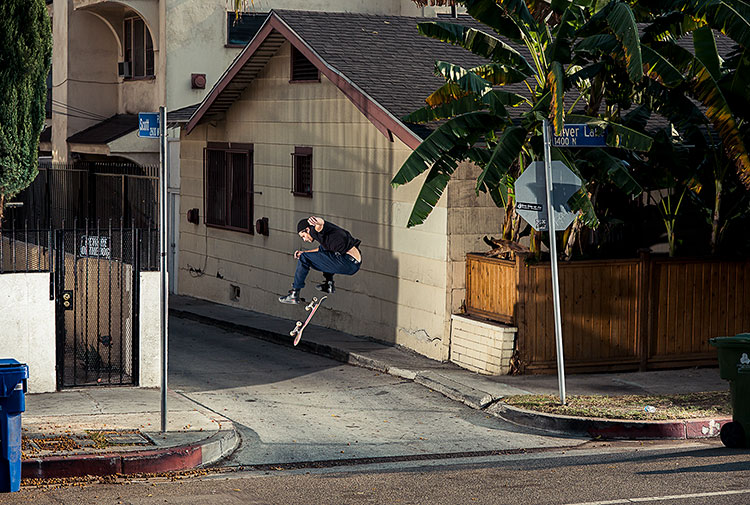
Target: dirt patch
[[683, 406]]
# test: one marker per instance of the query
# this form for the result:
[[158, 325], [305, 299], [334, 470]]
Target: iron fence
[[99, 192], [25, 248]]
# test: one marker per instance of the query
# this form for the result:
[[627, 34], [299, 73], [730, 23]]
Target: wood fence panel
[[491, 287], [616, 314], [598, 305], [703, 300]]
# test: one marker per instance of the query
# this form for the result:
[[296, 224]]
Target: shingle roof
[[106, 131], [183, 114], [384, 55]]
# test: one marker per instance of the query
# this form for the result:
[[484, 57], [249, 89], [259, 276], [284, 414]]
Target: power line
[[78, 110], [83, 81]]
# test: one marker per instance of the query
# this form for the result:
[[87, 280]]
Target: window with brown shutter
[[302, 171], [303, 69], [228, 179]]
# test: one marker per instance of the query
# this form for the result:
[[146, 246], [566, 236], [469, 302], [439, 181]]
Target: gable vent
[[302, 68]]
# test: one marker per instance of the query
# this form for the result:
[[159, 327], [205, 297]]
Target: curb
[[680, 429], [167, 459]]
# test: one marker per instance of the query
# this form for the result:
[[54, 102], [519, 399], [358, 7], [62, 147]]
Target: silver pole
[[164, 280], [553, 261]]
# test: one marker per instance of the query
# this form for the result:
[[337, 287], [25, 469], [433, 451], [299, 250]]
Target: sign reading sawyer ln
[[531, 197], [579, 135]]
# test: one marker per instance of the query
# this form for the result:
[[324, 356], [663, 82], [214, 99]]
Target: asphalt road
[[677, 473], [291, 406]]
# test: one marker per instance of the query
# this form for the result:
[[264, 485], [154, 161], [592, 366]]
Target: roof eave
[[378, 115]]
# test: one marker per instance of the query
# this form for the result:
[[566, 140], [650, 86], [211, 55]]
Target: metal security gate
[[96, 283]]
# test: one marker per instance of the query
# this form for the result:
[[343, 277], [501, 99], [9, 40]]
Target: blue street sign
[[148, 125], [579, 135]]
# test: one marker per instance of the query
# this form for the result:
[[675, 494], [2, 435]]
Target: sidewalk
[[102, 431], [475, 390]]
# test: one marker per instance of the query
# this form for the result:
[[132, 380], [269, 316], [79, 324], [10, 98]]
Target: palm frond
[[556, 83], [478, 43], [622, 22], [454, 132], [445, 110]]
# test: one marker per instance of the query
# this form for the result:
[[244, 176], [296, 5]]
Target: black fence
[[97, 192], [26, 249]]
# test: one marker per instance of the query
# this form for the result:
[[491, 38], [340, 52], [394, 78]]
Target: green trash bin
[[734, 366]]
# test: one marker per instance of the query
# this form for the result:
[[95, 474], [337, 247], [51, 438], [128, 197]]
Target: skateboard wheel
[[299, 323], [291, 333]]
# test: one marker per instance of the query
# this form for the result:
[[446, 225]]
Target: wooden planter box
[[646, 313]]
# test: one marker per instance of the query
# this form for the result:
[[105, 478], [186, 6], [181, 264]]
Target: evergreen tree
[[25, 58]]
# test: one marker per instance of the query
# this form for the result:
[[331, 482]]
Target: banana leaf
[[503, 156], [498, 74], [616, 171], [660, 68], [730, 17], [497, 16], [705, 89], [556, 83], [478, 43], [455, 132], [467, 80], [706, 52], [622, 22], [492, 15], [445, 110]]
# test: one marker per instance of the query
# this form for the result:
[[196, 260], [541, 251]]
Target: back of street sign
[[531, 199]]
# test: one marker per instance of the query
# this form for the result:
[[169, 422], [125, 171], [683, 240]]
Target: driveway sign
[[148, 125], [531, 196], [579, 135]]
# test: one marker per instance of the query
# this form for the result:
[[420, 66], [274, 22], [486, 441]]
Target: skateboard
[[312, 308]]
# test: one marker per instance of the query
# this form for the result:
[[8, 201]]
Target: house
[[114, 59], [305, 121]]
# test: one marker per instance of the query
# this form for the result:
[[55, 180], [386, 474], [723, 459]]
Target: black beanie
[[302, 225]]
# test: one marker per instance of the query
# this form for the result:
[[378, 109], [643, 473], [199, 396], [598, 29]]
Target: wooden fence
[[646, 313]]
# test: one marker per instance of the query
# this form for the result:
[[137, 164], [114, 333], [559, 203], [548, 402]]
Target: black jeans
[[325, 261]]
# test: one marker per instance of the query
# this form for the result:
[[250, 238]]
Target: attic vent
[[302, 68]]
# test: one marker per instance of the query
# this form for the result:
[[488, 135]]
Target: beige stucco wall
[[400, 293], [28, 333]]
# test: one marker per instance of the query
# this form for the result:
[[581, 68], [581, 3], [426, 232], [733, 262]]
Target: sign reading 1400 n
[[579, 135]]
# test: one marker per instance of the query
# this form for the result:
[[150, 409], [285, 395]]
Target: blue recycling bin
[[13, 376]]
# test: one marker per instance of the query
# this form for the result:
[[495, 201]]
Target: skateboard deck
[[312, 308]]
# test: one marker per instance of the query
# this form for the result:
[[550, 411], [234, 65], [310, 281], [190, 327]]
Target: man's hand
[[297, 254], [317, 223]]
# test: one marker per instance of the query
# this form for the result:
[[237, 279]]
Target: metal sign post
[[164, 280], [152, 125], [553, 262]]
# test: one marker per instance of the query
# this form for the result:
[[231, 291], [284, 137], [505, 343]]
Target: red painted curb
[[78, 465], [705, 428], [611, 428]]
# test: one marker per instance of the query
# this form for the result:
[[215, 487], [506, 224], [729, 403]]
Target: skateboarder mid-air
[[338, 253]]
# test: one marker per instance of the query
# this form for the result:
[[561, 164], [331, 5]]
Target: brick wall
[[481, 347]]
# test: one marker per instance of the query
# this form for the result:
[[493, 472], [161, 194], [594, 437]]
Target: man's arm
[[298, 253], [317, 223]]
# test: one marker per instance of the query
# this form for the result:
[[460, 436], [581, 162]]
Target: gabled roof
[[381, 63], [106, 131]]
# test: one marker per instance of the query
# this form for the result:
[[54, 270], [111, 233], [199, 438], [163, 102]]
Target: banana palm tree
[[577, 61], [680, 45]]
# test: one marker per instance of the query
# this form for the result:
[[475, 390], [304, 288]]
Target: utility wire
[[78, 110]]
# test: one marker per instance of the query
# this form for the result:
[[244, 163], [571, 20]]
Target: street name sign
[[148, 125], [531, 195], [579, 135]]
